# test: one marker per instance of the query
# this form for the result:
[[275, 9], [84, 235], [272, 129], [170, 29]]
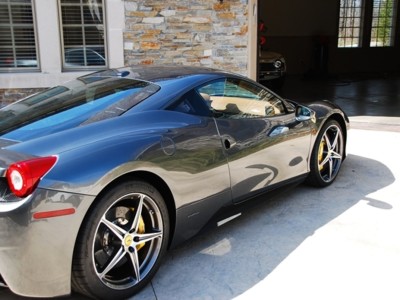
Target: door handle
[[228, 143]]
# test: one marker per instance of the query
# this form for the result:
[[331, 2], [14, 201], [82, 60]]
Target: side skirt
[[205, 215]]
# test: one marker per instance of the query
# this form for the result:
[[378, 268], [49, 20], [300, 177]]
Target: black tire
[[327, 155], [122, 242]]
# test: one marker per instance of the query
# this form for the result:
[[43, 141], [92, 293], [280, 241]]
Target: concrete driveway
[[341, 242]]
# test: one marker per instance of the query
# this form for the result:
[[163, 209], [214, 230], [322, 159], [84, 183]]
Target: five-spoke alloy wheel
[[327, 155], [122, 242]]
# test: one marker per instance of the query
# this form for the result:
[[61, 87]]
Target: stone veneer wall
[[203, 33], [189, 32]]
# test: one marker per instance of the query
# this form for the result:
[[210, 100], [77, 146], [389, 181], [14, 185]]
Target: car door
[[198, 158], [262, 139]]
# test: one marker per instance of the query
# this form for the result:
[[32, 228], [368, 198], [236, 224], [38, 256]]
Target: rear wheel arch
[[151, 187], [158, 183], [145, 176]]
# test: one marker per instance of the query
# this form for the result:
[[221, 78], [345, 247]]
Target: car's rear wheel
[[122, 242], [327, 155]]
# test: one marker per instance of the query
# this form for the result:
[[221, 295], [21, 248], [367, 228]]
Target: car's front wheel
[[121, 243], [327, 155]]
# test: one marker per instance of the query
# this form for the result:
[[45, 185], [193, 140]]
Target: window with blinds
[[18, 50], [83, 34], [350, 23], [383, 23]]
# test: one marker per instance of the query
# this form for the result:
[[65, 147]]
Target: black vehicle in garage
[[271, 69]]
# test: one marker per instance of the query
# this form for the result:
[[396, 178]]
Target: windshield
[[85, 100]]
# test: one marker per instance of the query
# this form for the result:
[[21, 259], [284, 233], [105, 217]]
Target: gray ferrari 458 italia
[[100, 176]]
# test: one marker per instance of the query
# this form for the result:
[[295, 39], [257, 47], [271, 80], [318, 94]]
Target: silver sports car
[[100, 176]]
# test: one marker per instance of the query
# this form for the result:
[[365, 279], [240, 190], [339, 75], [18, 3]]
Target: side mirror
[[304, 113]]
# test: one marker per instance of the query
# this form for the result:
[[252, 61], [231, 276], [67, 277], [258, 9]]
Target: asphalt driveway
[[340, 242]]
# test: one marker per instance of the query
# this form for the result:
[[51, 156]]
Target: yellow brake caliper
[[321, 153]]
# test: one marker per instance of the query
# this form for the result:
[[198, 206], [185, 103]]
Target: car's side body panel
[[46, 271], [185, 153], [256, 148]]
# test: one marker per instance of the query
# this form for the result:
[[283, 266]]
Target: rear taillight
[[24, 176]]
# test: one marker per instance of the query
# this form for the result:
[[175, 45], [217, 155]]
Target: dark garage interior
[[363, 78], [306, 33]]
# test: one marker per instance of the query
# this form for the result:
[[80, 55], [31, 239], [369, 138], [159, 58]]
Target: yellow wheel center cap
[[128, 240]]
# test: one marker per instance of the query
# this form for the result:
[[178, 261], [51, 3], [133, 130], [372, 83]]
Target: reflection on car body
[[88, 56]]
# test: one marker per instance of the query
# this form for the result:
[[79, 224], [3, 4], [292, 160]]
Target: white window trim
[[391, 38], [252, 42], [49, 45]]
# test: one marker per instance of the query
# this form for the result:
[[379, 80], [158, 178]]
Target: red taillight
[[24, 176]]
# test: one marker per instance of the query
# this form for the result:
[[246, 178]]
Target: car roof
[[157, 73]]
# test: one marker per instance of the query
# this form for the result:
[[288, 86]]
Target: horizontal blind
[[17, 36], [83, 34]]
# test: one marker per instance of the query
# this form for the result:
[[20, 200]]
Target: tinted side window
[[192, 103], [238, 98], [86, 100]]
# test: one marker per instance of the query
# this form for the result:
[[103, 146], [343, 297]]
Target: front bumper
[[36, 254], [270, 75], [268, 70]]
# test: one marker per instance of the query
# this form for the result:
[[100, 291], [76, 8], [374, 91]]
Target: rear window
[[85, 100]]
